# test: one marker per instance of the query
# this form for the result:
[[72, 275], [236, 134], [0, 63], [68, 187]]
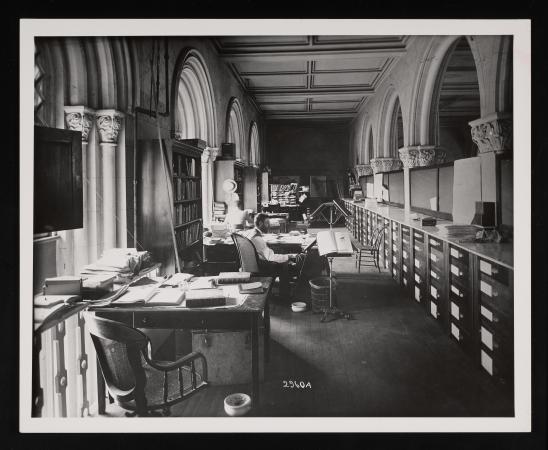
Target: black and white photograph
[[301, 225]]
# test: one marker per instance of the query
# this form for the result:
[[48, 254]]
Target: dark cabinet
[[58, 198]]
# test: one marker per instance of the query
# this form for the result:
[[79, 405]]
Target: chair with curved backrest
[[368, 254], [247, 253], [133, 378]]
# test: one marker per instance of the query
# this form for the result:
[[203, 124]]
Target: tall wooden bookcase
[[169, 198]]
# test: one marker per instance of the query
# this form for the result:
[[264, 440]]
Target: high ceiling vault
[[310, 77]]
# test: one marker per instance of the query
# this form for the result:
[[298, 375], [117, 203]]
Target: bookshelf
[[160, 199], [187, 198], [251, 189]]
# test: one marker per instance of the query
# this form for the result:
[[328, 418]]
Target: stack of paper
[[200, 298], [458, 231], [165, 297]]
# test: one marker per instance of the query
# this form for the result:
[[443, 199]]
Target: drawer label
[[455, 311], [486, 267], [395, 247], [394, 272], [455, 253], [433, 257], [417, 248], [486, 288], [455, 270], [456, 291], [434, 309], [417, 278], [417, 294], [417, 263], [405, 281], [434, 275], [434, 291], [404, 267], [487, 362], [434, 242], [487, 338], [395, 260], [486, 313], [455, 331], [404, 254]]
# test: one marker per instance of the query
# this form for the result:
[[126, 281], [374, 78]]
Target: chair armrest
[[170, 365]]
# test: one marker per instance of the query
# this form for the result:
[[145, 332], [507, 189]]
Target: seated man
[[272, 263]]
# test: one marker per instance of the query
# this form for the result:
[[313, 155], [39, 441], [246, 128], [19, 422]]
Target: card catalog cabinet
[[386, 244], [406, 265], [461, 317], [395, 250], [419, 271], [496, 311], [434, 270]]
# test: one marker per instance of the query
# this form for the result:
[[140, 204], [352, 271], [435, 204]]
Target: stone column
[[80, 118], [494, 137], [207, 211], [109, 123], [417, 156]]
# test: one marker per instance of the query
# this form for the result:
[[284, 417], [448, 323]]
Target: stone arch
[[235, 126], [423, 129], [368, 148], [388, 123], [193, 102]]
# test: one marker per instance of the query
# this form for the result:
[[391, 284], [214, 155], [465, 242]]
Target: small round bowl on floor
[[298, 306], [237, 404]]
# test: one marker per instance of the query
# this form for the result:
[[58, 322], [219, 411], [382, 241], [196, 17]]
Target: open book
[[334, 243]]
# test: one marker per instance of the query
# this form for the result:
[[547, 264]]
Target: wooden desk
[[242, 317]]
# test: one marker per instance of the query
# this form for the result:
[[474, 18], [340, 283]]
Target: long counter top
[[502, 253]]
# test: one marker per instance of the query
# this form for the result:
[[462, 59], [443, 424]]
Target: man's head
[[261, 222]]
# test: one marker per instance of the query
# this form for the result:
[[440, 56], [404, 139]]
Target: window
[[432, 190], [393, 183]]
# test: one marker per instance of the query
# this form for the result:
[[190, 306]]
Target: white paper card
[[394, 272], [434, 275], [404, 254], [433, 257], [405, 281], [395, 260], [417, 263], [395, 247], [455, 290], [434, 291], [455, 331], [417, 278], [486, 313], [404, 268], [417, 248], [417, 294], [486, 268], [455, 311], [487, 338], [434, 309], [486, 288], [455, 270], [487, 362], [455, 253]]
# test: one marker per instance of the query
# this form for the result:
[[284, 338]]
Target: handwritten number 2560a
[[296, 384]]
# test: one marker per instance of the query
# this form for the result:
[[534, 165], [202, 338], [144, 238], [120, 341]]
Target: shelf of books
[[187, 199], [239, 179]]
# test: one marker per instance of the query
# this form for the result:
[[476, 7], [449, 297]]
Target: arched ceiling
[[304, 77]]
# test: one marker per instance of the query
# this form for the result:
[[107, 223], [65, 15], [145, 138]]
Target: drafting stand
[[331, 212], [332, 310]]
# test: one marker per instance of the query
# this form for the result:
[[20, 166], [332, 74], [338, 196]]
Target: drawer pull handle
[[461, 316], [144, 320]]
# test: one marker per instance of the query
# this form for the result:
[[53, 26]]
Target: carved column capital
[[421, 156], [109, 122], [79, 118], [493, 133], [363, 170], [380, 165]]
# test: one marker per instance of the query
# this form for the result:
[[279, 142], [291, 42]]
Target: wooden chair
[[247, 254], [131, 375], [368, 254]]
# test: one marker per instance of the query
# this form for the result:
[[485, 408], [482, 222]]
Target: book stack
[[201, 298], [218, 211], [456, 231], [233, 277], [251, 288]]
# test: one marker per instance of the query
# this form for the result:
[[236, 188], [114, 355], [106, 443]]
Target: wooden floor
[[390, 360]]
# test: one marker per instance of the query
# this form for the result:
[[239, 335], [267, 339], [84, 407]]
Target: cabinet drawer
[[457, 291], [435, 243], [435, 275], [498, 324], [419, 264], [436, 257], [458, 254], [405, 254], [418, 236], [496, 296], [434, 310], [435, 292], [458, 269], [405, 231], [494, 271], [418, 294], [501, 369], [464, 339]]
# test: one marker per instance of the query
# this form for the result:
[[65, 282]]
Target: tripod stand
[[332, 310]]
